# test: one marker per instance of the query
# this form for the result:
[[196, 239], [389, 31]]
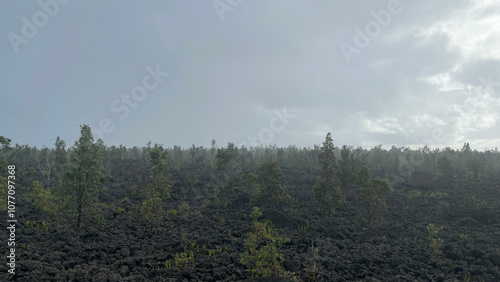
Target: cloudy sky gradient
[[252, 72]]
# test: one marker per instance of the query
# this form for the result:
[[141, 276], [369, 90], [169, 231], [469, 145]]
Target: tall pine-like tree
[[84, 174], [347, 169], [327, 191], [159, 189], [61, 158]]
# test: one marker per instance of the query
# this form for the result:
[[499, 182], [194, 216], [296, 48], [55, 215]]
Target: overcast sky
[[404, 73]]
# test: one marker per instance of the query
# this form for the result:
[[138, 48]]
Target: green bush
[[435, 242], [172, 213], [184, 260], [312, 269], [43, 199], [255, 214], [264, 261], [184, 207]]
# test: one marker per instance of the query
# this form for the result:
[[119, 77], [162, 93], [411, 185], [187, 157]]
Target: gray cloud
[[411, 83]]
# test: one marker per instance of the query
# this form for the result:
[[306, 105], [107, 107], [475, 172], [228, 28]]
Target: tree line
[[74, 180]]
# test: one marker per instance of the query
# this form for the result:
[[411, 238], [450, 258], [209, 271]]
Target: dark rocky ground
[[126, 248]]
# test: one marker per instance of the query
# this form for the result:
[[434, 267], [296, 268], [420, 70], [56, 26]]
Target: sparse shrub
[[435, 242], [264, 261], [420, 194], [312, 269], [124, 200], [151, 210], [28, 224], [198, 214], [119, 210], [184, 207], [283, 239], [476, 202], [184, 260], [215, 202], [444, 204], [414, 194], [305, 227], [168, 264], [44, 226], [222, 221], [255, 214], [97, 213], [171, 213], [449, 270], [211, 252]]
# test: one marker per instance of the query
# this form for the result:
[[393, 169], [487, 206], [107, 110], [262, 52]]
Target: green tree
[[159, 189], [281, 156], [84, 175], [327, 191], [445, 167], [251, 186], [5, 144], [474, 180], [373, 205], [192, 178], [262, 258], [43, 199], [226, 172], [363, 176], [45, 164], [4, 149], [272, 193], [347, 168], [61, 158]]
